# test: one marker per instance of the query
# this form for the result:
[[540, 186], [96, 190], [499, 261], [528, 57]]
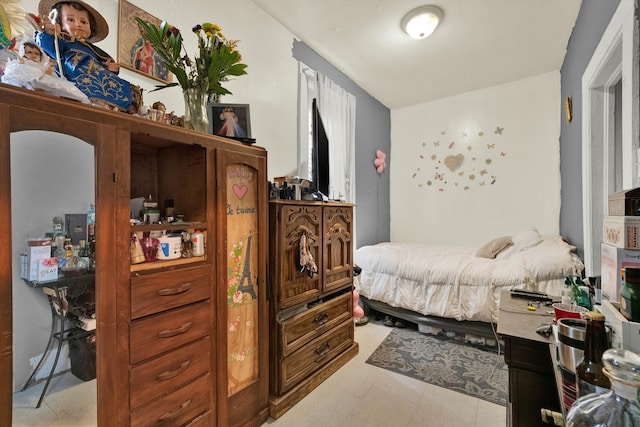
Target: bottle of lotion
[[197, 239]]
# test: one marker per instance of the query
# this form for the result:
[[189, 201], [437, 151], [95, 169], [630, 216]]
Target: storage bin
[[82, 352]]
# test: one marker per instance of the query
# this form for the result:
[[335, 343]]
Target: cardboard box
[[47, 269], [37, 249], [612, 261], [621, 231], [624, 333], [75, 226]]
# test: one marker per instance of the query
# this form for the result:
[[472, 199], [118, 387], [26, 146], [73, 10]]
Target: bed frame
[[475, 328]]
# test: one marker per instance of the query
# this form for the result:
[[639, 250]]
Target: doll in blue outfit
[[77, 26]]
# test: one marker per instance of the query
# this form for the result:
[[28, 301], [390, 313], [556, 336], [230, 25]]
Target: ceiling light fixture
[[422, 21]]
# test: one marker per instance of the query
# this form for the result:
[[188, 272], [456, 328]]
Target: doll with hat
[[69, 40]]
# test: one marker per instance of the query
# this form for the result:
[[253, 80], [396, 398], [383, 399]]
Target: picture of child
[[69, 40]]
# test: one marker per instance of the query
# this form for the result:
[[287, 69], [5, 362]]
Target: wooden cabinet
[[311, 315], [182, 341]]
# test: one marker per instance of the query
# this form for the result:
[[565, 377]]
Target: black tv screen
[[320, 150]]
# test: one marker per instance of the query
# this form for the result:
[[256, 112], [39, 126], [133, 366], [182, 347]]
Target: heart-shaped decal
[[240, 190], [454, 162]]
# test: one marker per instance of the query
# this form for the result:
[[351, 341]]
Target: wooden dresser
[[182, 341], [311, 315]]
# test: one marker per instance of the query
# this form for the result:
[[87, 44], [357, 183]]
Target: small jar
[[630, 294]]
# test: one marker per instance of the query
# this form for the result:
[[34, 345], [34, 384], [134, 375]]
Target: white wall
[[270, 87], [478, 165]]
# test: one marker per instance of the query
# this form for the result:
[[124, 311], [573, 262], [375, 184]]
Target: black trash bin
[[82, 352]]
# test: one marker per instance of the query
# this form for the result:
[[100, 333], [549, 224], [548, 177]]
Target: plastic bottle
[[589, 375], [618, 407], [197, 239]]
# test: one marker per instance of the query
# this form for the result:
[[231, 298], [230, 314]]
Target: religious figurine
[[33, 70], [69, 40]]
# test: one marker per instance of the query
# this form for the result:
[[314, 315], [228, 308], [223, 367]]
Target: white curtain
[[337, 108]]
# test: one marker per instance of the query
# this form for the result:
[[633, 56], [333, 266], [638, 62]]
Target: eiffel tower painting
[[246, 284]]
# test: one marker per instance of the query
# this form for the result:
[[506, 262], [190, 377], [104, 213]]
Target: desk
[[74, 295], [532, 383]]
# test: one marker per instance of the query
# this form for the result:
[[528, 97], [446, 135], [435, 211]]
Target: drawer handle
[[172, 415], [175, 291], [323, 350], [173, 332], [166, 375], [322, 318]]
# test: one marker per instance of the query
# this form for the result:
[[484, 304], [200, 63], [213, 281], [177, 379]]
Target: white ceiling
[[480, 43]]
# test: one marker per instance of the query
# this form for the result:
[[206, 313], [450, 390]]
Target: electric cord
[[495, 334]]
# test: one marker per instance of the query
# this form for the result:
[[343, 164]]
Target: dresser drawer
[[205, 420], [161, 375], [312, 356], [306, 326], [178, 408], [162, 332], [157, 292]]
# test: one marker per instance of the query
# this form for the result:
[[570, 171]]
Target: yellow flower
[[216, 61]]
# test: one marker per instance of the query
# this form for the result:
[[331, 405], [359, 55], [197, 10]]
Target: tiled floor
[[357, 395]]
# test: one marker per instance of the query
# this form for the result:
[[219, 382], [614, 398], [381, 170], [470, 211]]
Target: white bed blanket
[[452, 282]]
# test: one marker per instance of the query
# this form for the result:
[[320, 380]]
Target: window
[[338, 110]]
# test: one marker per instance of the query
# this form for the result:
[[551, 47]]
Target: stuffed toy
[[358, 312], [380, 161], [306, 259]]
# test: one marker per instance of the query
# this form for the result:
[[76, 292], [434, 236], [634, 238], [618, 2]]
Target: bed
[[418, 282]]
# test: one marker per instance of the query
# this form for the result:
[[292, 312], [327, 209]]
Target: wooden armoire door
[[337, 238], [243, 322]]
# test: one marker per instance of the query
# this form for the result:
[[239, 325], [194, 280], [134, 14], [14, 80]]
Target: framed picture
[[134, 52], [230, 120]]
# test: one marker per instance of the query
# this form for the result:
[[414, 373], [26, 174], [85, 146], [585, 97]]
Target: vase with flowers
[[200, 77]]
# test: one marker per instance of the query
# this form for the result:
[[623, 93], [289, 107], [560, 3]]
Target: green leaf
[[209, 68]]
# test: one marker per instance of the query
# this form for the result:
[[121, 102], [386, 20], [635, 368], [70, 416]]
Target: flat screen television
[[320, 153]]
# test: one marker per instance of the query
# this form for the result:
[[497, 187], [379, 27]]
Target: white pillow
[[523, 240]]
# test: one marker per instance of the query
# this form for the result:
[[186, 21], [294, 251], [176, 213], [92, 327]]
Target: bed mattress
[[452, 282]]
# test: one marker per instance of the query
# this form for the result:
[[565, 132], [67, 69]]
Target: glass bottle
[[92, 254], [76, 264], [68, 248], [589, 375], [60, 253], [58, 225], [83, 251], [91, 221], [56, 231], [618, 407], [630, 294]]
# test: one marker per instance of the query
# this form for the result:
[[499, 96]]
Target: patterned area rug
[[445, 362]]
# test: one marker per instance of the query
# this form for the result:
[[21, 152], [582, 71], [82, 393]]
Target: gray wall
[[373, 131], [593, 18]]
